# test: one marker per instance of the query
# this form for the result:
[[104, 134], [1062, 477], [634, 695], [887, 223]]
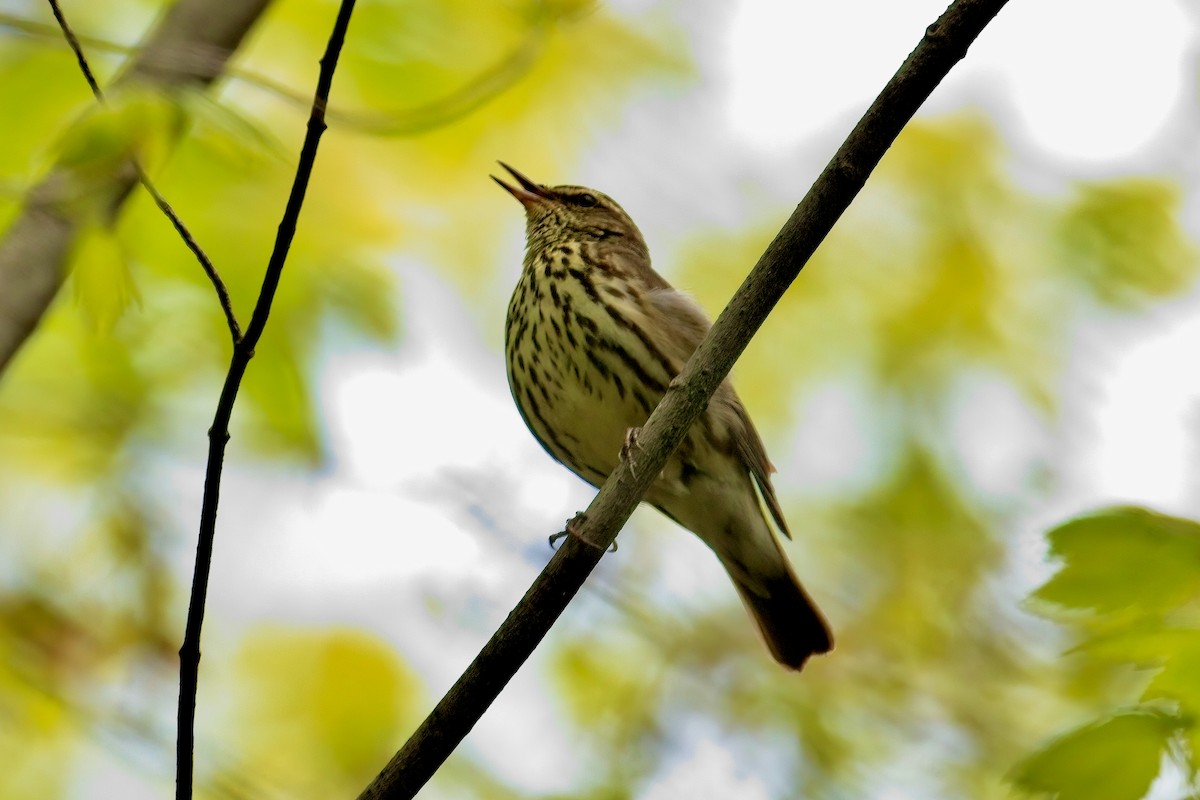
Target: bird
[[593, 337]]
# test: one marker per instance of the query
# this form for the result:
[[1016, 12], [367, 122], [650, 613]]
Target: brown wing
[[689, 328]]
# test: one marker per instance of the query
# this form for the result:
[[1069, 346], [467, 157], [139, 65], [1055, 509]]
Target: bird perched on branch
[[593, 337]]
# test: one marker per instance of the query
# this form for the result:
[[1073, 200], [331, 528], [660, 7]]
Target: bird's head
[[556, 214]]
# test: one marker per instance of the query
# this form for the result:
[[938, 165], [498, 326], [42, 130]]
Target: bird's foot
[[629, 449], [572, 529]]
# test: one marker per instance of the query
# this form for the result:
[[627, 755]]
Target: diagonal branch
[[77, 49], [945, 43], [35, 248], [190, 241]]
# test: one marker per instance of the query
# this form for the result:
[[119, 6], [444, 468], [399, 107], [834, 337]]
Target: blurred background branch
[[144, 179], [37, 243]]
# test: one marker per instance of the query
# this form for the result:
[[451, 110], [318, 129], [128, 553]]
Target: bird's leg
[[629, 448], [572, 529]]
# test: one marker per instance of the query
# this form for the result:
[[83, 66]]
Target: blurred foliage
[[943, 265], [317, 711], [1129, 589], [133, 121], [943, 269], [619, 707], [1121, 239]]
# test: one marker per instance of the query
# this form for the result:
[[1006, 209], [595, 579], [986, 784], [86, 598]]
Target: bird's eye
[[587, 200]]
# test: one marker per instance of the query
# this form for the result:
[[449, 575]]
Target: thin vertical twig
[[218, 434]]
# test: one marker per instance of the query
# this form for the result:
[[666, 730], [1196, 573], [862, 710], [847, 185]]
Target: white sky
[[1087, 80], [1090, 83]]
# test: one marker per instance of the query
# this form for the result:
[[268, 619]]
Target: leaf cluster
[[1129, 588]]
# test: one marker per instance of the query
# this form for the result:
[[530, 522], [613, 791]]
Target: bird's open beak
[[528, 192]]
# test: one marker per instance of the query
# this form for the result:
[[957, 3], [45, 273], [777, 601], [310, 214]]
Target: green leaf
[[1174, 651], [1123, 240], [97, 141], [276, 391], [103, 281], [1178, 678], [1142, 642], [134, 122], [601, 693], [1124, 558], [365, 295], [1116, 759], [324, 704]]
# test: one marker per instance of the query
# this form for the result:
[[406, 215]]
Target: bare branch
[[218, 434], [76, 49], [944, 44]]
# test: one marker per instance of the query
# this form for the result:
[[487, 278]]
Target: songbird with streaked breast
[[593, 338]]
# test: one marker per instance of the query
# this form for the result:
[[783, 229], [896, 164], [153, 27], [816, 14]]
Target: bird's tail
[[786, 616]]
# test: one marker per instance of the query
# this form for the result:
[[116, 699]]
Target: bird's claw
[[572, 529], [629, 448]]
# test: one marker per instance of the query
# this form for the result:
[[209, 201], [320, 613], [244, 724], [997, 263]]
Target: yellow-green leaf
[[1116, 759], [103, 281], [1124, 558], [1124, 241], [328, 704], [134, 122]]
